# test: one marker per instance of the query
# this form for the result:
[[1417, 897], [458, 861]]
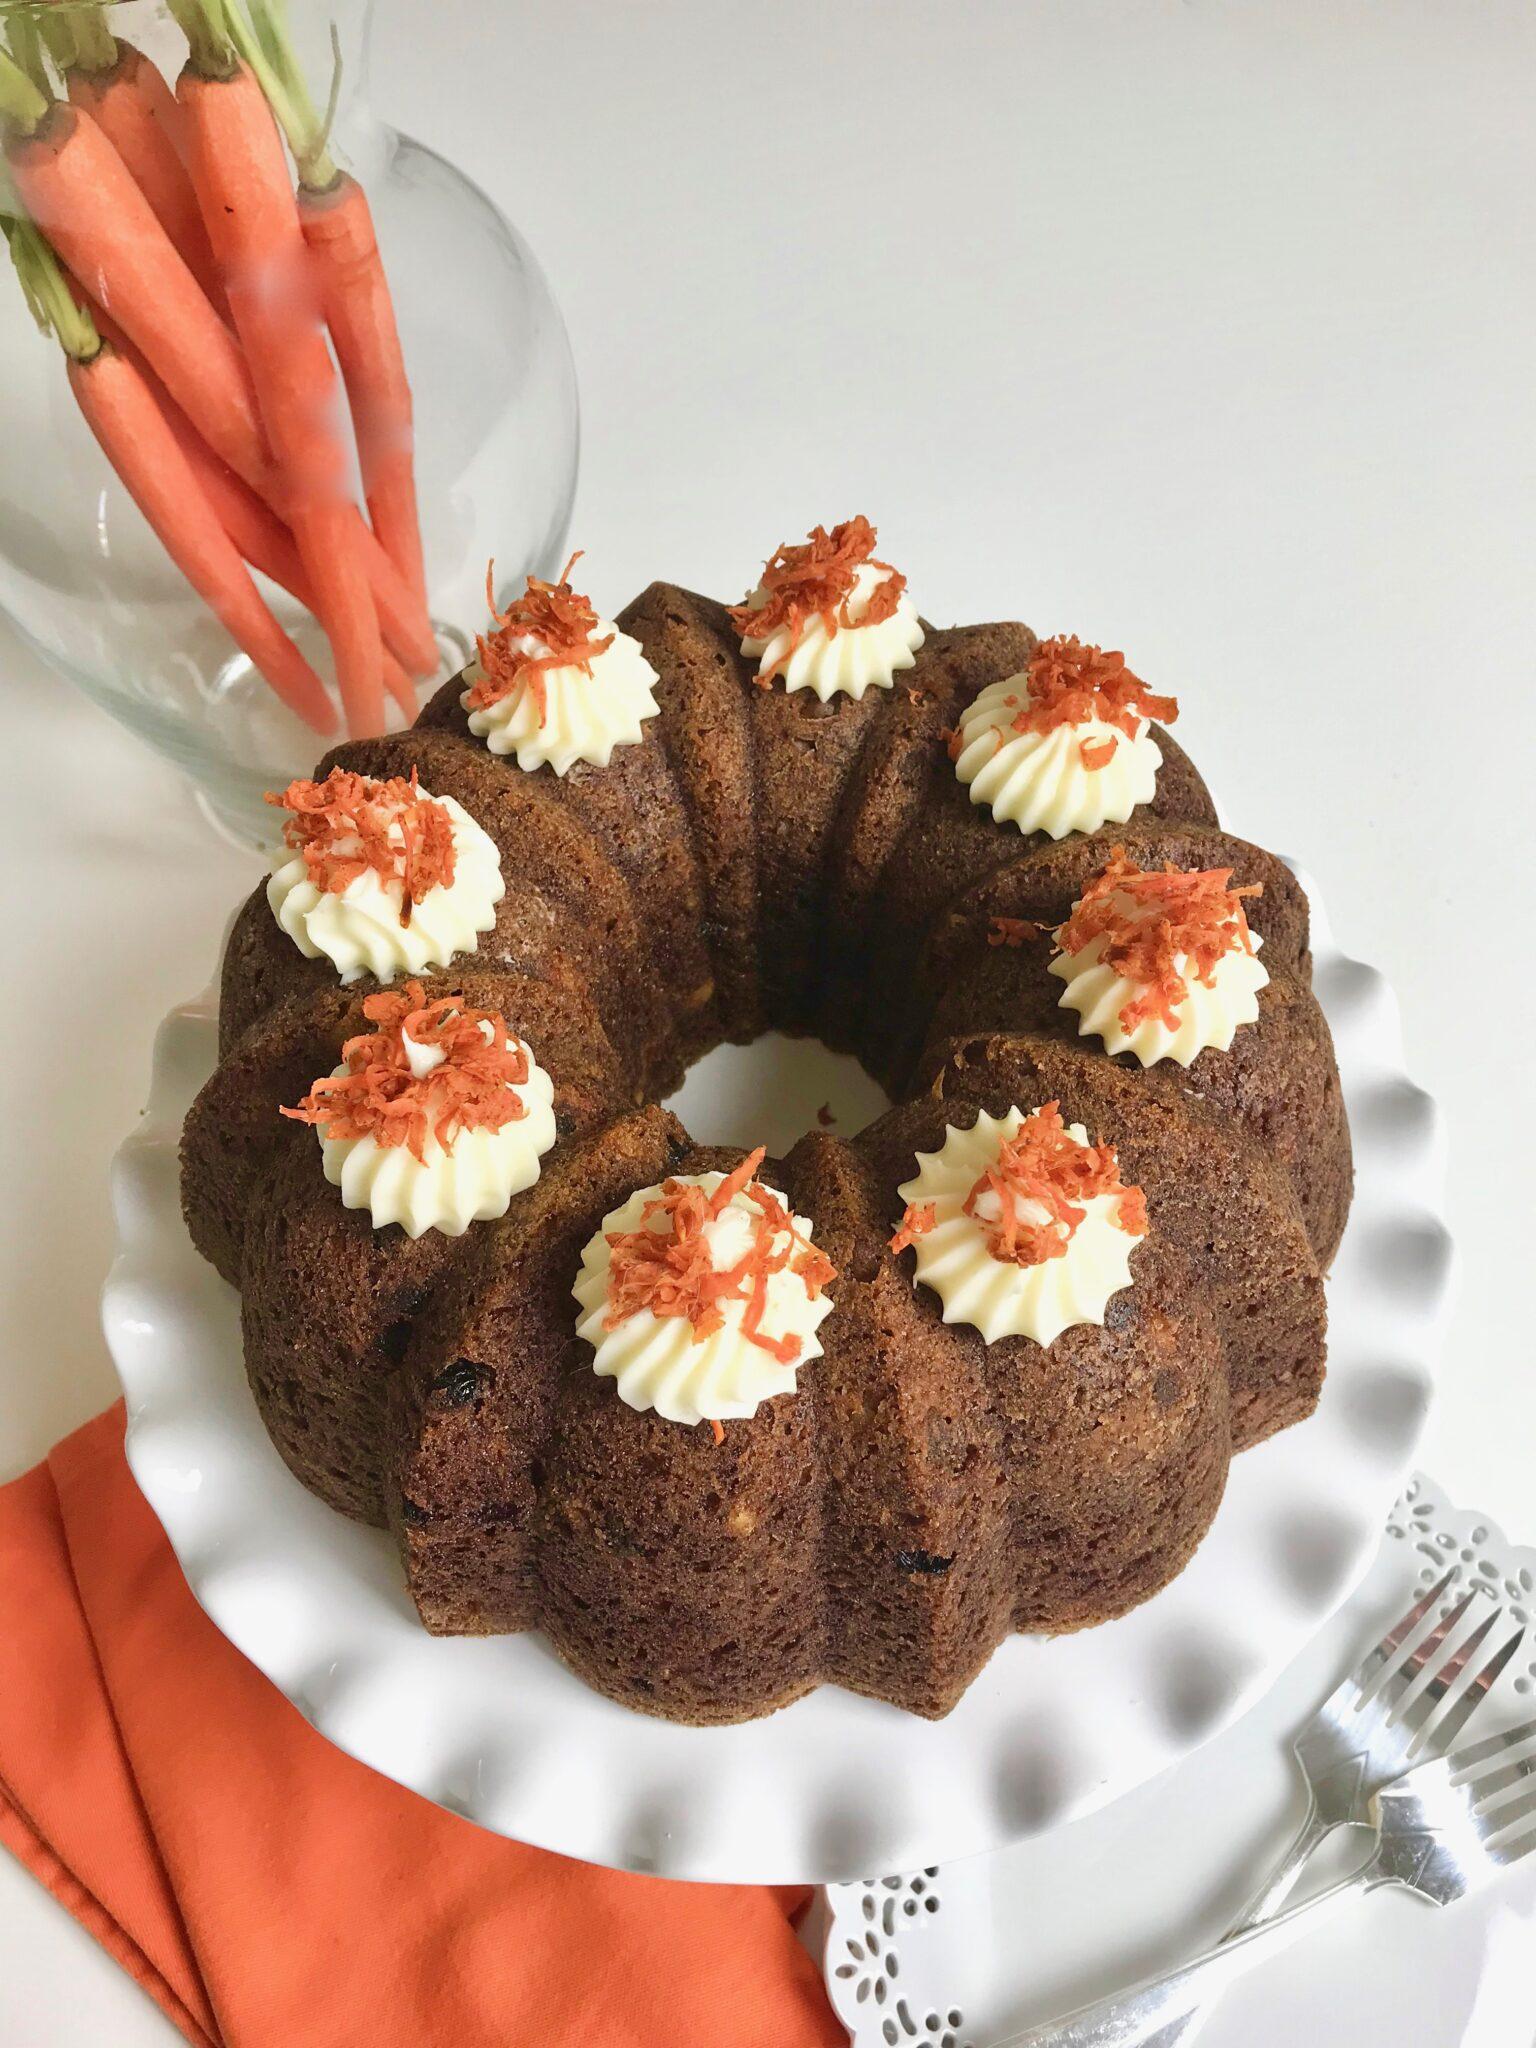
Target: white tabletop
[[1201, 330]]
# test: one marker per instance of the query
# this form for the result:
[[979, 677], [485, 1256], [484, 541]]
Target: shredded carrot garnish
[[351, 825], [917, 1219], [815, 581], [1069, 683], [1011, 931], [672, 1271], [919, 695], [554, 618], [954, 741], [719, 1433], [472, 1087], [1153, 922], [1044, 1166]]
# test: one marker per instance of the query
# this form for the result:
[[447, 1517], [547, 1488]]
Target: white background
[[1202, 330]]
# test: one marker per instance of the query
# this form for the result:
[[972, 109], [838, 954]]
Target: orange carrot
[[78, 190], [260, 535], [254, 527], [240, 175], [354, 296], [136, 110], [121, 409], [121, 412], [403, 622], [73, 181], [338, 226], [245, 516]]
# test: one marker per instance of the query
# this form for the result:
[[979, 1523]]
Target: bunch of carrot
[[192, 279]]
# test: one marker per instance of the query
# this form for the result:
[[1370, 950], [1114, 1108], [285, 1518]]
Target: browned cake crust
[[636, 813], [1278, 1080], [951, 847], [1218, 1196], [934, 1493], [762, 860], [706, 719]]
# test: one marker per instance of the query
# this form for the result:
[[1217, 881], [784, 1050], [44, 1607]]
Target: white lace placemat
[[955, 1957]]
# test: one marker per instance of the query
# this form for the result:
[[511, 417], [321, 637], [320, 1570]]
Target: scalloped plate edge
[[685, 1805]]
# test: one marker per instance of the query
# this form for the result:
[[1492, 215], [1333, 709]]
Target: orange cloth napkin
[[264, 1888]]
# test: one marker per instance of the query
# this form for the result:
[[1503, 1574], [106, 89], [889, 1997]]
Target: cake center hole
[[772, 1091]]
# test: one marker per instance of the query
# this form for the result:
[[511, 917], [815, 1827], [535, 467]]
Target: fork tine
[[1493, 1820], [1477, 1753], [1399, 1633], [1502, 1776], [1511, 1852], [1396, 1682], [1447, 1726], [1424, 1702], [1376, 1662]]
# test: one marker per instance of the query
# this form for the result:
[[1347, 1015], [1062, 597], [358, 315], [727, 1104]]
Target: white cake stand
[[835, 1786]]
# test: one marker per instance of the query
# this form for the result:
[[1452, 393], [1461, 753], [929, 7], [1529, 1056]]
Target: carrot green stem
[[205, 24], [58, 33], [78, 38], [266, 45], [26, 41], [46, 289], [22, 106]]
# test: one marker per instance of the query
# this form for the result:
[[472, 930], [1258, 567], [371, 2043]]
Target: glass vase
[[496, 435]]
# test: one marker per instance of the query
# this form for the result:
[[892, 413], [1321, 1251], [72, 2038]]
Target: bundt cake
[[726, 1427]]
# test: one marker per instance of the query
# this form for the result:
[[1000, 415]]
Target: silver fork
[[1366, 1733], [1445, 1828]]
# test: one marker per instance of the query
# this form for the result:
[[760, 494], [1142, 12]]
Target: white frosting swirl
[[358, 929], [472, 1180], [995, 1296], [1038, 780], [585, 715], [657, 1361], [1208, 1015], [853, 659]]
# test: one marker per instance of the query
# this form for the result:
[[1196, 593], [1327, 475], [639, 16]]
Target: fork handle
[[1263, 1906], [1281, 1881], [1130, 2019]]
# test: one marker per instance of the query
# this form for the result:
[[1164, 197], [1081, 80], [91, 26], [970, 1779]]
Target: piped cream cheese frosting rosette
[[382, 877], [1063, 746], [1020, 1226], [1162, 966], [827, 617], [435, 1119], [701, 1298], [553, 684]]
